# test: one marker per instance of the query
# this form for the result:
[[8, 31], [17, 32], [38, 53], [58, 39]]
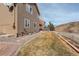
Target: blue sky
[[59, 13]]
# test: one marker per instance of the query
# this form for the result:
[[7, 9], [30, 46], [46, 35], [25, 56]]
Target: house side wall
[[6, 20], [22, 13]]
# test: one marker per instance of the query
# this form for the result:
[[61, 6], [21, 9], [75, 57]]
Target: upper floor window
[[29, 8]]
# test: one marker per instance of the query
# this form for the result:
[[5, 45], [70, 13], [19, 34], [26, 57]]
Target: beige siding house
[[41, 25], [19, 18]]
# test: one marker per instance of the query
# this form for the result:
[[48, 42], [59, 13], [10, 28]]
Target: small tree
[[51, 26], [46, 27]]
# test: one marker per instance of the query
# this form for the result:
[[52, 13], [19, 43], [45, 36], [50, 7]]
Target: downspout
[[14, 27]]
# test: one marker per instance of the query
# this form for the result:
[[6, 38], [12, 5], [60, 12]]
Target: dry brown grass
[[72, 27], [46, 44]]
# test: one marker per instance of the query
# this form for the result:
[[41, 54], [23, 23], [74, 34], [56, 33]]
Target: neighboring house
[[41, 25], [19, 18]]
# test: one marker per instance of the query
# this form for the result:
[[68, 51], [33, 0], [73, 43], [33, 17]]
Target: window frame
[[29, 8], [26, 23]]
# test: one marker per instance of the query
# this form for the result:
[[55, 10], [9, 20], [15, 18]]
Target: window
[[29, 8], [31, 11], [26, 23], [34, 25]]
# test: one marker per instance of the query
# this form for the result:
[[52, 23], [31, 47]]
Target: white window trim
[[28, 22], [28, 8]]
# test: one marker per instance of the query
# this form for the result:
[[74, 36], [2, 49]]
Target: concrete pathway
[[11, 46]]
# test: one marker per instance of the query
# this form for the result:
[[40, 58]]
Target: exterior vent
[[10, 6]]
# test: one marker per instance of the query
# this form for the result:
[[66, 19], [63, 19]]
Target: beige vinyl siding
[[6, 20]]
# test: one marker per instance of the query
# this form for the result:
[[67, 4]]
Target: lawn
[[47, 44]]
